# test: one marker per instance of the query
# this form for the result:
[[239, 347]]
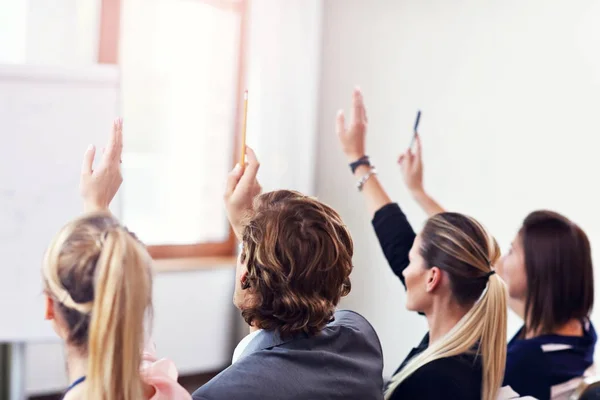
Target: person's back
[[293, 269], [343, 361]]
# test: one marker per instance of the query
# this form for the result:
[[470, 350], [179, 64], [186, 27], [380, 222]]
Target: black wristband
[[364, 160]]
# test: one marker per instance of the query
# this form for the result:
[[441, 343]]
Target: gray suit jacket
[[344, 361]]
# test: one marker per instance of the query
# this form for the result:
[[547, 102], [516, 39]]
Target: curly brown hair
[[299, 260]]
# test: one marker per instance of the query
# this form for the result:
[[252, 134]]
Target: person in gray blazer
[[293, 268]]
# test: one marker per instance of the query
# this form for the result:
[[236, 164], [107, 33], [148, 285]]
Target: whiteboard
[[48, 117]]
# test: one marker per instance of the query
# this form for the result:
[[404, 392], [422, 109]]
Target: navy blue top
[[538, 366]]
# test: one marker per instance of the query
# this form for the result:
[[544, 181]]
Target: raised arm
[[393, 230], [99, 186], [352, 140], [411, 163]]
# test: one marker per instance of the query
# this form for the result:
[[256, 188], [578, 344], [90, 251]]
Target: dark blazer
[[344, 361]]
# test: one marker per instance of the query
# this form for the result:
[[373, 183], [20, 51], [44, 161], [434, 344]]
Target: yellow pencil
[[243, 157]]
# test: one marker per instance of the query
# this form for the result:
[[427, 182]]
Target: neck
[[572, 328], [253, 329], [442, 317], [76, 364]]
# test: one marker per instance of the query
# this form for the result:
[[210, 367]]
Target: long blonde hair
[[99, 276], [460, 246]]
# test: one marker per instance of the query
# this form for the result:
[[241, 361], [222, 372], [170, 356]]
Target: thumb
[[232, 179], [88, 160], [401, 158], [340, 123]]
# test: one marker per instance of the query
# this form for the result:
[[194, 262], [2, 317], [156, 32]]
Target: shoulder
[[247, 376], [452, 369], [77, 393], [352, 320], [522, 354], [452, 378], [526, 369], [359, 326]]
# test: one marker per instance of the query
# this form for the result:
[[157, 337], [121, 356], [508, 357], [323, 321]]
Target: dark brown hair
[[558, 265], [299, 259]]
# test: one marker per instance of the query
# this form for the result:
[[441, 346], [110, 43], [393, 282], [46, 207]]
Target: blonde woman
[[98, 288], [448, 273]]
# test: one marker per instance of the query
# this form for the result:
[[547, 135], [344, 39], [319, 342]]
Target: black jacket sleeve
[[395, 235]]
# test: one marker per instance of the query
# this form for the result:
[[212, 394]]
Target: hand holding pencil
[[242, 184]]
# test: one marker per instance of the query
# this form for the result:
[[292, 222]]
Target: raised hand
[[353, 138], [411, 164], [242, 187], [98, 187]]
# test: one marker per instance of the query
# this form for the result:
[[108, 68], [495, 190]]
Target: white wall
[[510, 97], [13, 31]]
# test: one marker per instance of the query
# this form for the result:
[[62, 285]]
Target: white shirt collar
[[239, 349]]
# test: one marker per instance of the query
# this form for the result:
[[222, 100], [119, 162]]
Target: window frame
[[108, 51]]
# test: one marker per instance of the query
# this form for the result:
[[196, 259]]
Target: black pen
[[415, 130]]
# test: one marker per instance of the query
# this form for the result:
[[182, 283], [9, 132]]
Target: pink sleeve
[[162, 376]]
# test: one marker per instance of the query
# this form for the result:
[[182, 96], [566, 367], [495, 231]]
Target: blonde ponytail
[[484, 325], [117, 322], [493, 337], [99, 276]]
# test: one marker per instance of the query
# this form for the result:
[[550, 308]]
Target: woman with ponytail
[[98, 288], [550, 284], [448, 272]]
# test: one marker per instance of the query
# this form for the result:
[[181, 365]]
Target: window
[[181, 73], [181, 84], [49, 32]]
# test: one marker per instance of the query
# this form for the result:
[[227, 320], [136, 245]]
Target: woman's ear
[[434, 279], [49, 312]]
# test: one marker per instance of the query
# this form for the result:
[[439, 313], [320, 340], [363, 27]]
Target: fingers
[[88, 160], [242, 183], [115, 142], [232, 179], [363, 109], [417, 146], [406, 158], [340, 123], [248, 174], [358, 108], [251, 170]]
